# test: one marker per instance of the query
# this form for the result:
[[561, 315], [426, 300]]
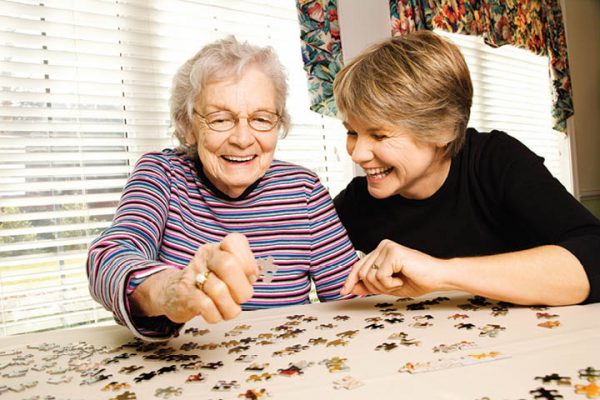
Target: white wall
[[363, 23], [582, 24]]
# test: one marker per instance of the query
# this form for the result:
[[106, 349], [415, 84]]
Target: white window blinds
[[84, 92], [512, 94], [84, 86]]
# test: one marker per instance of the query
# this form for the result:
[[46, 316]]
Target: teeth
[[377, 171], [238, 159]]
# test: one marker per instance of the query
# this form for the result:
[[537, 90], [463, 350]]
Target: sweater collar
[[218, 193]]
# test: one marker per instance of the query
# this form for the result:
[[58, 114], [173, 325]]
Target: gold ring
[[375, 267], [201, 279]]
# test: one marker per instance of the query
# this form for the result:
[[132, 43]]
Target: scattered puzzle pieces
[[559, 380], [591, 390], [541, 393], [347, 382], [168, 392], [549, 324]]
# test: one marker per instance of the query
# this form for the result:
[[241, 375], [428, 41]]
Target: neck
[[429, 184]]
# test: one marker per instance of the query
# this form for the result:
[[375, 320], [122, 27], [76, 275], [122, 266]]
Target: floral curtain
[[535, 25], [321, 51]]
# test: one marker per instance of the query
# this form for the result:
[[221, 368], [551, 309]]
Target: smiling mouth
[[378, 172], [235, 159]]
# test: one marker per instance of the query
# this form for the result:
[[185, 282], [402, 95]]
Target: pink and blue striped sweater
[[168, 209]]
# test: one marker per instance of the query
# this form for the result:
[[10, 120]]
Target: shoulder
[[167, 160], [355, 191], [496, 145], [496, 153]]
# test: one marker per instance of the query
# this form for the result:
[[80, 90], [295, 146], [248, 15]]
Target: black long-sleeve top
[[498, 197]]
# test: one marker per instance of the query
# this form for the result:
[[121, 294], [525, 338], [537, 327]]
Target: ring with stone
[[375, 267], [201, 279]]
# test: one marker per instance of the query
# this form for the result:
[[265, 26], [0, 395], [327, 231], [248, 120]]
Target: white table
[[517, 355]]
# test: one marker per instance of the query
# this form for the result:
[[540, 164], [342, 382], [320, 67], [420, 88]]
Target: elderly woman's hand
[[397, 270], [228, 269]]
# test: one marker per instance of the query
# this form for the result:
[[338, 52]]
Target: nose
[[359, 149], [242, 135]]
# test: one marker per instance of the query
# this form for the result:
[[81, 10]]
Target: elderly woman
[[193, 223], [443, 207]]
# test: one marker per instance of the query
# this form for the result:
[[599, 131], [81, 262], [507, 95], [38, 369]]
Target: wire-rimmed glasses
[[223, 121]]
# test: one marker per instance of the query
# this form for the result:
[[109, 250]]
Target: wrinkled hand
[[233, 270], [397, 270]]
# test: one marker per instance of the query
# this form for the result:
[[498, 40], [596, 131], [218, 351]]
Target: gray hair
[[220, 60]]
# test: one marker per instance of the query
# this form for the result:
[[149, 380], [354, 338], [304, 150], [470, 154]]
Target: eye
[[219, 118], [379, 137], [351, 133], [261, 119]]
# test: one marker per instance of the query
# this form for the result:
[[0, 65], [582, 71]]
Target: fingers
[[368, 274], [205, 307], [360, 290], [212, 299], [389, 277], [237, 245], [352, 279], [227, 269], [219, 295], [379, 271]]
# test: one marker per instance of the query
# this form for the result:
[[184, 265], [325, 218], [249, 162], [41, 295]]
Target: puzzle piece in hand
[[267, 268]]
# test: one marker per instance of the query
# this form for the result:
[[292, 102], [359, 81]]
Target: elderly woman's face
[[394, 161], [236, 158]]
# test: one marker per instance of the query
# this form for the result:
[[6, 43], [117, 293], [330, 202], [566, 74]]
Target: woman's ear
[[190, 137], [187, 126]]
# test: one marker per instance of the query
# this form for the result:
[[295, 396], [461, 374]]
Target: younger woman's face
[[395, 163]]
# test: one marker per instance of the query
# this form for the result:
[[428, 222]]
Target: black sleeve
[[533, 196]]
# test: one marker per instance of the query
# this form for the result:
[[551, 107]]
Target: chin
[[378, 194]]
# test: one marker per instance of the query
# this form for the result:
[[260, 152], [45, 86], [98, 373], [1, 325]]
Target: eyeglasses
[[222, 121]]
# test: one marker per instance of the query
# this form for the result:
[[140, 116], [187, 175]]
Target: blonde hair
[[221, 60], [419, 81]]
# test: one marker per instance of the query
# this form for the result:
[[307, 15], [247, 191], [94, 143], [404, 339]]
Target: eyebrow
[[212, 108], [369, 130]]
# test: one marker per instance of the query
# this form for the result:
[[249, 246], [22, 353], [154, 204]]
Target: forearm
[[548, 275], [146, 299]]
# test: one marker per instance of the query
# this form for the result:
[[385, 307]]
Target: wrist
[[450, 274], [146, 298]]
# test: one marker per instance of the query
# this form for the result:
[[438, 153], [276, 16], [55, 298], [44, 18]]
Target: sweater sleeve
[[126, 253], [539, 201], [332, 253]]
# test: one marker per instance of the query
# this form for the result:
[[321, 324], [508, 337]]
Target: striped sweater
[[168, 209]]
